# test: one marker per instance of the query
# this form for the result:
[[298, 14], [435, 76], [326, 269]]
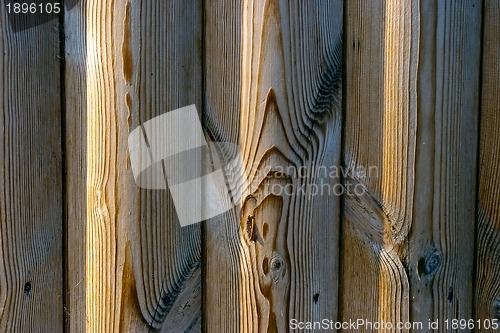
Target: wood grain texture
[[141, 59], [273, 86], [488, 220], [221, 118], [31, 216], [379, 153], [75, 144], [441, 246], [168, 75], [411, 113]]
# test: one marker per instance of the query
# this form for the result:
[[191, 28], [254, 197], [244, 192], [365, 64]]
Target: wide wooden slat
[[488, 241], [379, 153], [128, 62], [411, 115], [31, 225], [273, 86], [441, 245]]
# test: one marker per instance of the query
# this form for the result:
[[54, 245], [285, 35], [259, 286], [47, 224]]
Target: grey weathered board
[[488, 223], [31, 200], [75, 146]]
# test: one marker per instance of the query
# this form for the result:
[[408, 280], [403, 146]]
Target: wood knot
[[450, 295], [250, 228], [429, 265], [495, 309], [27, 288], [278, 267], [248, 218]]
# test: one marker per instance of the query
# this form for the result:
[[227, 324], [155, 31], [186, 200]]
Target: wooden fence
[[408, 88]]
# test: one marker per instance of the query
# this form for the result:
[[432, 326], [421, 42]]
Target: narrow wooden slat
[[105, 156], [411, 115], [140, 60], [273, 86], [31, 226], [221, 117], [75, 143], [488, 241], [168, 76]]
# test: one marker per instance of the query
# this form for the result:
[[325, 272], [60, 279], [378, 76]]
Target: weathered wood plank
[[411, 112], [273, 86], [141, 59], [221, 117], [75, 144], [381, 44], [168, 76], [440, 255], [488, 220], [31, 216]]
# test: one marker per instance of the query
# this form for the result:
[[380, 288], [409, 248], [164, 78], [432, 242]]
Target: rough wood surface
[[165, 48], [273, 86], [411, 114], [75, 144], [140, 59], [488, 241], [266, 75], [440, 255], [31, 216], [379, 152], [221, 117]]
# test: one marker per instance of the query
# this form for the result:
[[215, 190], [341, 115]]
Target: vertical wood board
[[487, 284], [141, 59], [31, 215], [279, 251]]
